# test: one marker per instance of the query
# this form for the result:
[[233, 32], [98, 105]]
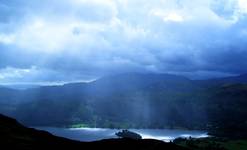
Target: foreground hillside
[[15, 136]]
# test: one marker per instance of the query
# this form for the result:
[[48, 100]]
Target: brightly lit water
[[93, 134]]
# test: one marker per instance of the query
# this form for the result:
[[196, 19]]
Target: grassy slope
[[214, 143]]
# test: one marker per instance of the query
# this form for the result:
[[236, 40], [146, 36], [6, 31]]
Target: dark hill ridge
[[129, 82], [126, 82], [233, 79], [132, 82], [238, 79], [15, 136]]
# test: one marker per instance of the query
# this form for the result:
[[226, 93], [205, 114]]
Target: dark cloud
[[78, 39]]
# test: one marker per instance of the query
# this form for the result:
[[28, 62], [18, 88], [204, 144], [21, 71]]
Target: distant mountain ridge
[[134, 78], [20, 86]]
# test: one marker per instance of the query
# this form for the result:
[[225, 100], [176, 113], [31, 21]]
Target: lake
[[93, 134]]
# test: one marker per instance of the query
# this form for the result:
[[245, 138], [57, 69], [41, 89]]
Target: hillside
[[136, 100]]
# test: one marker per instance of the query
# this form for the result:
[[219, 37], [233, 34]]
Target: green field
[[236, 145], [213, 144]]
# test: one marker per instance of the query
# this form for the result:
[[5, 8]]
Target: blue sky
[[77, 40]]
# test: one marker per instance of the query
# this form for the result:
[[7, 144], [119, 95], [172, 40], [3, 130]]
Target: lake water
[[93, 134]]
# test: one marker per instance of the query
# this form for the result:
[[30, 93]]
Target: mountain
[[13, 135], [135, 100], [21, 86], [234, 79], [226, 80], [6, 94], [131, 82], [227, 110]]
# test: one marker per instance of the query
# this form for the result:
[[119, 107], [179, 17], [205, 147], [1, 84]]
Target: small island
[[128, 134]]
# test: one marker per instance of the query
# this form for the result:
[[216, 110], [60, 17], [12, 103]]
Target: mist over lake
[[94, 134]]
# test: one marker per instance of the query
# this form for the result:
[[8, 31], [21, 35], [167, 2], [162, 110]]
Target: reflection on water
[[93, 134]]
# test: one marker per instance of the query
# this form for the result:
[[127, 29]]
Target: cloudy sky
[[77, 40]]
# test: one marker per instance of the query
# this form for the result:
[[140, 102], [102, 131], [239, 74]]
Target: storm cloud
[[71, 40]]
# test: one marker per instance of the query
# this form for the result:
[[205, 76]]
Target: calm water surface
[[93, 134]]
